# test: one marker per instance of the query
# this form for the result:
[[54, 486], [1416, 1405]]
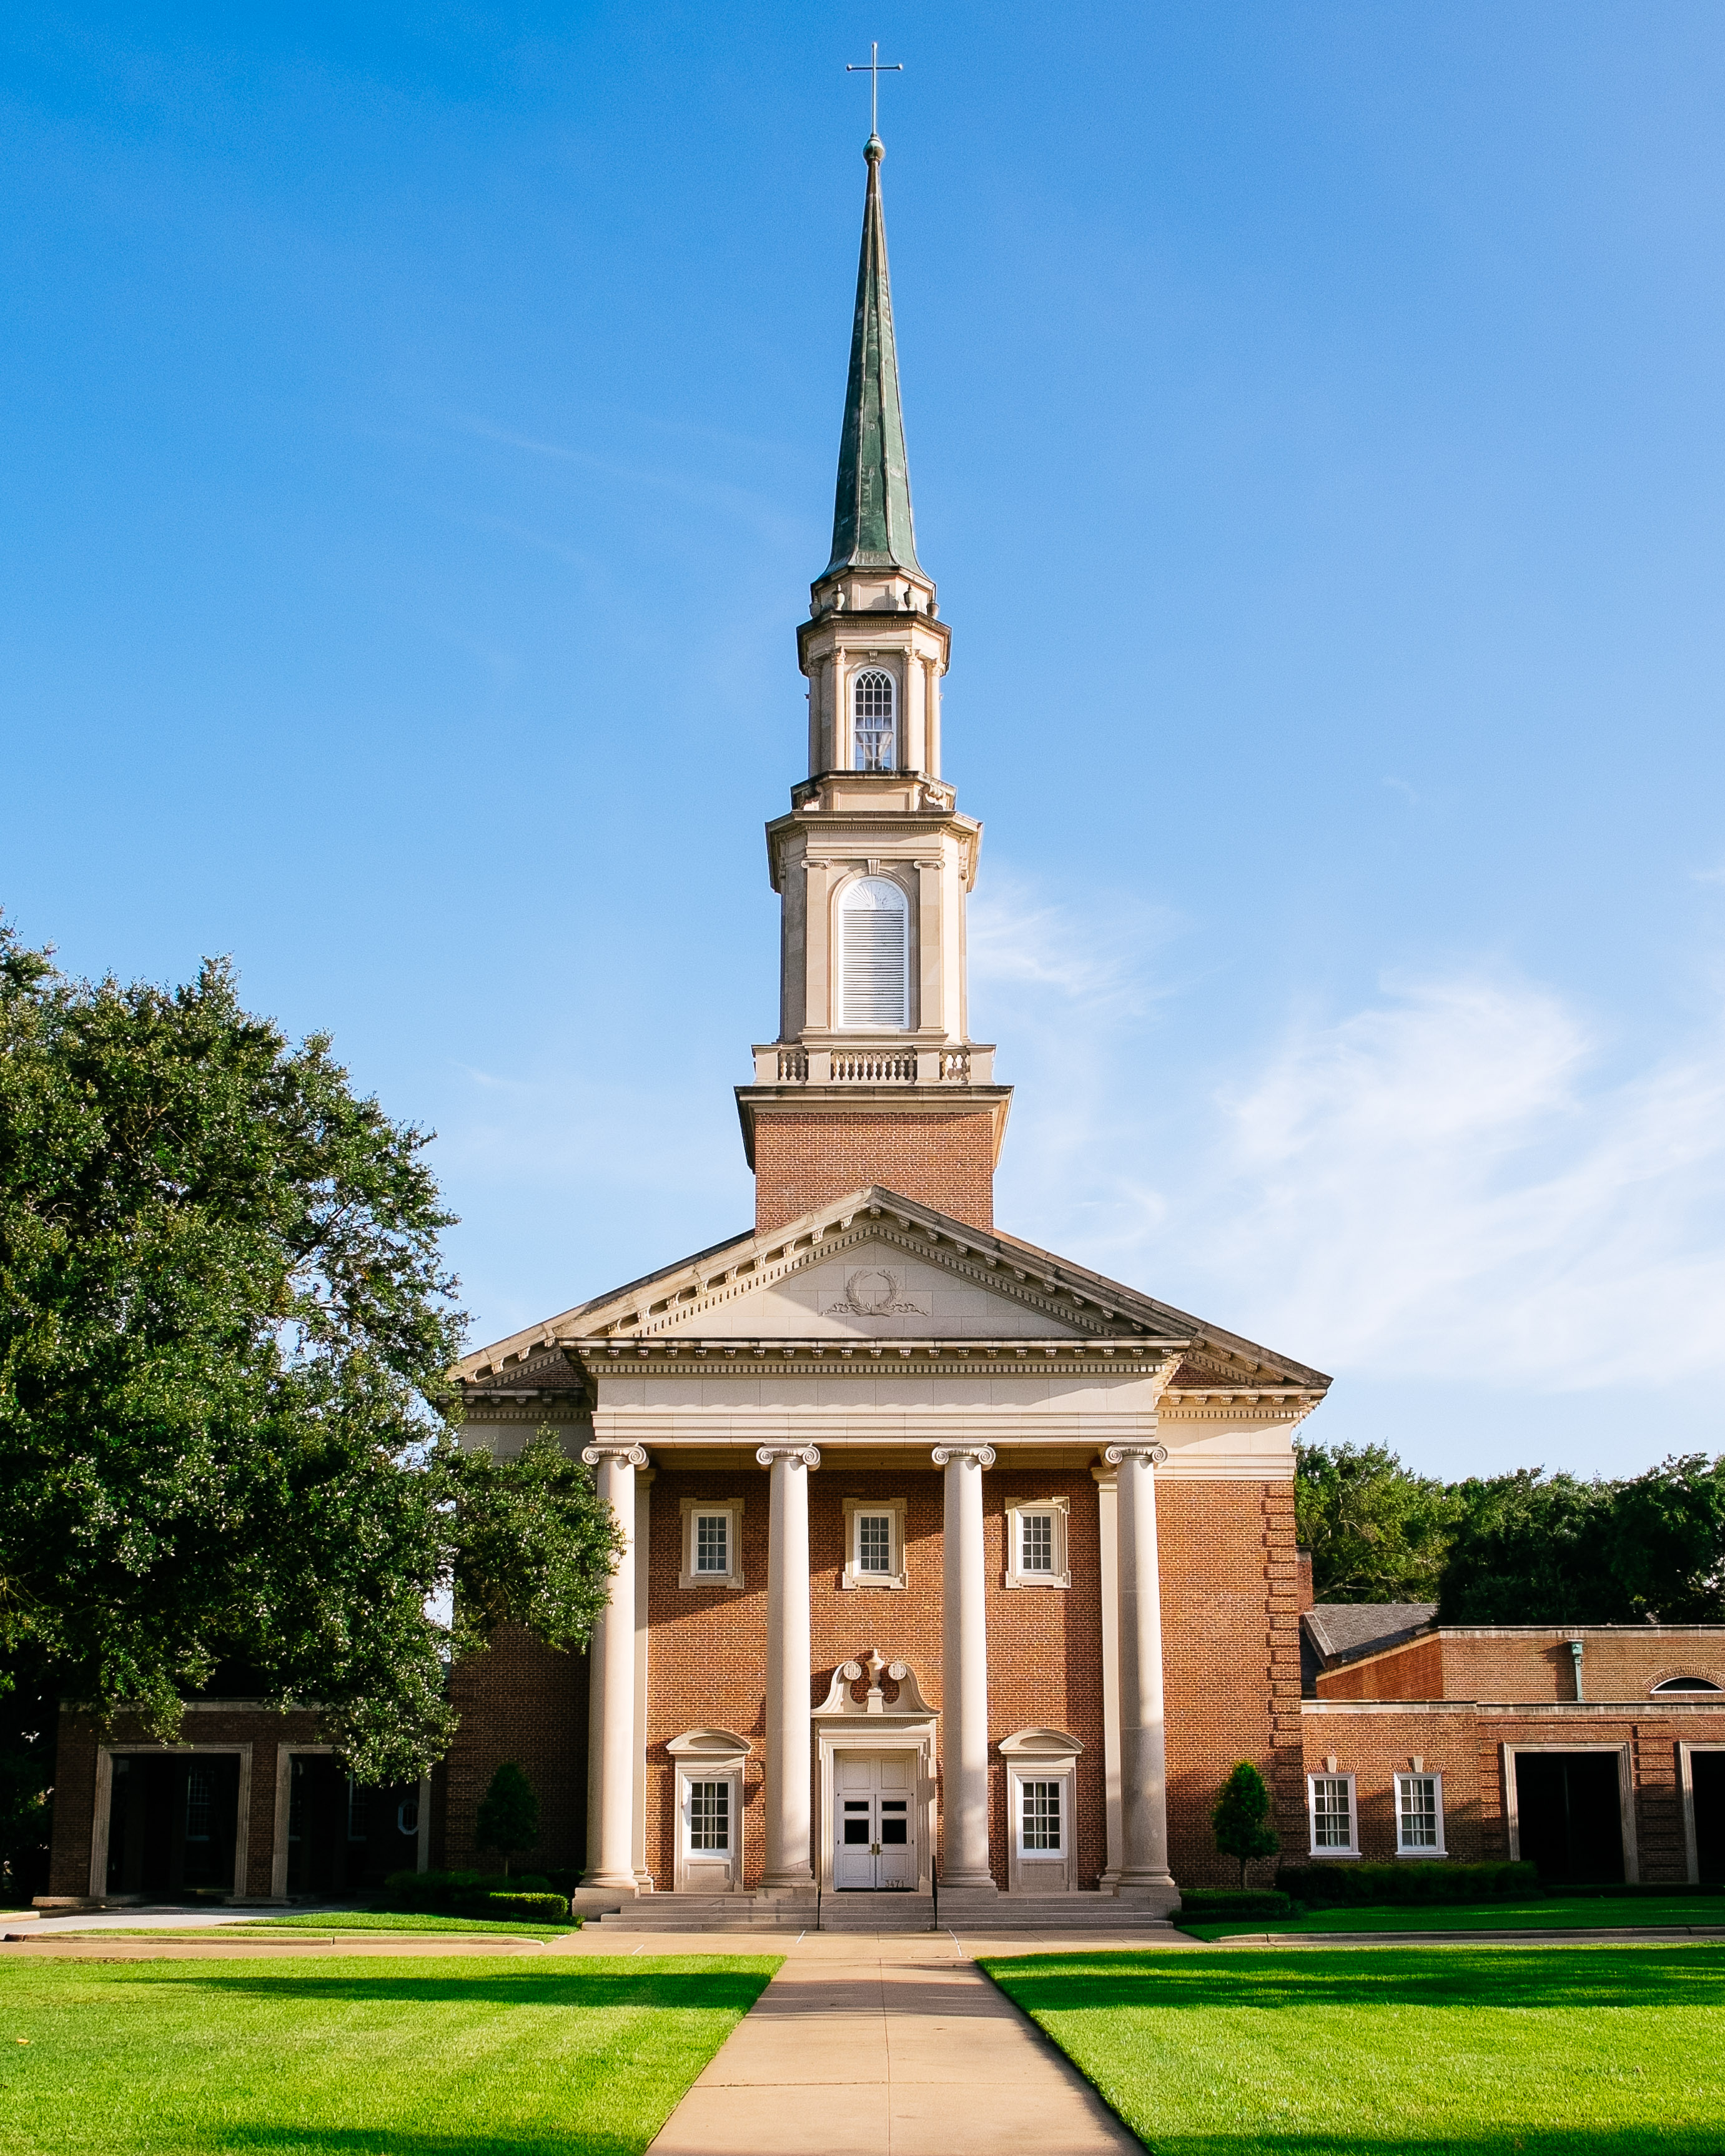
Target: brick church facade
[[952, 1566]]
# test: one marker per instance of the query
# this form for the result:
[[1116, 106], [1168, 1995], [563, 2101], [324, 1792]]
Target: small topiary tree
[[1241, 1818], [508, 1816]]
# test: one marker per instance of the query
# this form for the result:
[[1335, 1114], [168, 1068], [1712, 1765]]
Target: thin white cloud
[[1442, 1185]]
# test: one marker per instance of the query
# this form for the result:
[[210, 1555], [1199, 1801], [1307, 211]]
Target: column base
[[787, 1883], [975, 1887], [623, 1883], [1149, 1889]]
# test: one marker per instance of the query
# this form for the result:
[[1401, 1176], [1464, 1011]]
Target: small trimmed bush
[[461, 1893], [517, 1909], [1341, 1886], [1200, 1904]]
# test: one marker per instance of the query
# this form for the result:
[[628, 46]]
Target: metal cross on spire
[[874, 67]]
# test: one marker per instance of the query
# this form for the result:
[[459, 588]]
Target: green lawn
[[1387, 2051], [351, 2058], [1556, 1912], [343, 1920]]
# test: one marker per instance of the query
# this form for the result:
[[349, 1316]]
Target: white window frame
[[695, 1507], [855, 1509], [1016, 1576], [893, 719], [1402, 1849], [1330, 1849]]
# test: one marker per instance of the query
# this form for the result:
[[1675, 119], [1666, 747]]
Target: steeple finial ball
[[874, 149]]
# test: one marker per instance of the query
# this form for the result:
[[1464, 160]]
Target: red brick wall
[[1619, 1663], [1231, 1658], [525, 1702], [1415, 1671], [945, 1159], [1376, 1747], [1231, 1648], [75, 1783], [1467, 1750], [708, 1653]]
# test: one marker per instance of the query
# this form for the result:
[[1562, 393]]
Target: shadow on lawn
[[1508, 1977], [726, 1991], [370, 2141]]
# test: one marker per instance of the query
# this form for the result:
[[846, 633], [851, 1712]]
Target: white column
[[789, 1722], [638, 1799], [1144, 1874], [1108, 1480], [610, 1700], [964, 1647]]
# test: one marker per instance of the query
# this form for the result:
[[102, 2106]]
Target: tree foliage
[[508, 1816], [1241, 1818], [1377, 1534], [225, 1336], [1524, 1548]]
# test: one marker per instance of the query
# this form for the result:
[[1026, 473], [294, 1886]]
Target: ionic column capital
[[978, 1456], [808, 1455], [1153, 1455], [591, 1455]]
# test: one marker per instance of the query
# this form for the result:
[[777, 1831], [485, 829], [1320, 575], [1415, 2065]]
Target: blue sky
[[417, 439]]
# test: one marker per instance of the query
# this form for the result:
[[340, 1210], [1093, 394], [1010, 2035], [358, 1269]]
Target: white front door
[[874, 1819]]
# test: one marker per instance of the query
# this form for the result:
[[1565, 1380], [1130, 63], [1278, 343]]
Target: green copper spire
[[871, 516]]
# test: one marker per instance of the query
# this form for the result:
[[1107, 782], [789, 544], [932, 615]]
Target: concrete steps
[[876, 1912]]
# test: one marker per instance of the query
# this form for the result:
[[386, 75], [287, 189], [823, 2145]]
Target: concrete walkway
[[878, 2045]]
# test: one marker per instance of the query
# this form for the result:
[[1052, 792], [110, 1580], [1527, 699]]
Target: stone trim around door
[[910, 1725], [709, 1755], [1625, 1799], [1041, 1755], [100, 1823], [1685, 1791], [285, 1755]]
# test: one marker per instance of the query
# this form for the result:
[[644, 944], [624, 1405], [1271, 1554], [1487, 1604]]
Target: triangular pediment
[[873, 1265]]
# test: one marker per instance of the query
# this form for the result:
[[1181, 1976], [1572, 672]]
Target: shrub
[[1241, 1818], [417, 1893], [508, 1816], [517, 1909], [1201, 1904], [1347, 1885]]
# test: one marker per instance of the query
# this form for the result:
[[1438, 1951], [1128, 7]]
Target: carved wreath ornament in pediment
[[872, 1291]]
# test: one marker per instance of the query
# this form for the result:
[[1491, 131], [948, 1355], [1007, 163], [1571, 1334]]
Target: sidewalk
[[873, 2044]]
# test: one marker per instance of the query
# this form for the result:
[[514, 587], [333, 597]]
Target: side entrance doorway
[[1569, 1812], [171, 1826], [874, 1822]]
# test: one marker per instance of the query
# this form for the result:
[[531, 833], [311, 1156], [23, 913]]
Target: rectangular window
[[1036, 1550], [1419, 1814], [1036, 1544], [1041, 1816], [709, 1817], [874, 1542], [356, 1797], [712, 1542], [1333, 1812]]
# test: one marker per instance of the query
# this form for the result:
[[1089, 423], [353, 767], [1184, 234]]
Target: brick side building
[[951, 1563]]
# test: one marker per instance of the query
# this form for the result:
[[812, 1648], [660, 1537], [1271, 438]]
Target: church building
[[952, 1561], [957, 1576]]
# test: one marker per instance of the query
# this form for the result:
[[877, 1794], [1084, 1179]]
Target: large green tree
[[1376, 1532], [225, 1336]]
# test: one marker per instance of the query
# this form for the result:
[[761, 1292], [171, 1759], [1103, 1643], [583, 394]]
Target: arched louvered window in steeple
[[875, 722], [873, 955]]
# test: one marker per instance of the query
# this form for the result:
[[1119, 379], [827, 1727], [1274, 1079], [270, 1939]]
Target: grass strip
[[1592, 1913], [429, 2057], [1554, 2051]]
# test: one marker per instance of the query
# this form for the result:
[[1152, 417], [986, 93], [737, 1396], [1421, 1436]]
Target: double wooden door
[[874, 1822]]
